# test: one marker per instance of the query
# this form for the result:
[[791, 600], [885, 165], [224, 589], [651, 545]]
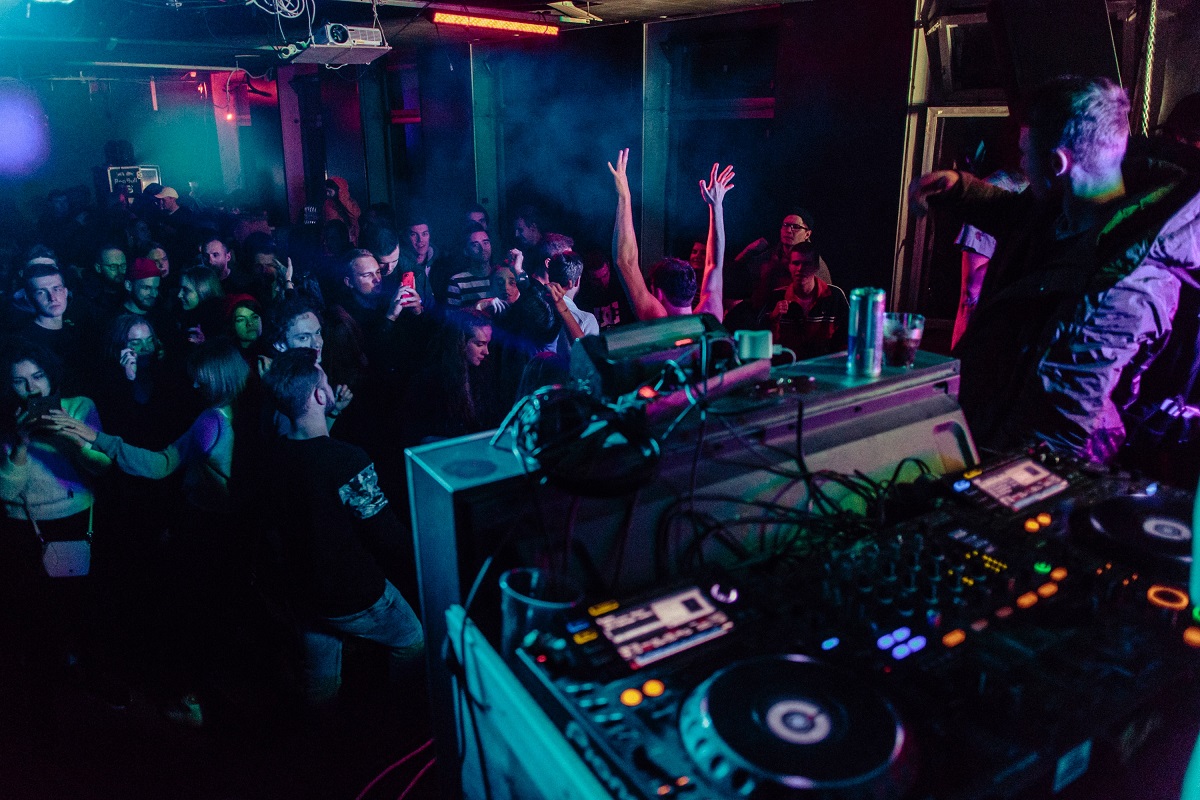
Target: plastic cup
[[532, 599], [901, 338], [753, 345]]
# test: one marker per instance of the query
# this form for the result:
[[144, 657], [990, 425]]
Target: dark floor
[[62, 741]]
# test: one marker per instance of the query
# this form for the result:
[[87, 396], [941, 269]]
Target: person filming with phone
[[47, 489]]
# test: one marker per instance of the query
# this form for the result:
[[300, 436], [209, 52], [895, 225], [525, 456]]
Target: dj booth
[[823, 591]]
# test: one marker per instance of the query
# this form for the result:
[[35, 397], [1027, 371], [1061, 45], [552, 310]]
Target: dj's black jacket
[[1065, 326]]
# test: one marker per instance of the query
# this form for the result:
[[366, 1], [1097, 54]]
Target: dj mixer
[[1030, 624]]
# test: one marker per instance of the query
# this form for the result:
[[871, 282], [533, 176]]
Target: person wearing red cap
[[141, 286]]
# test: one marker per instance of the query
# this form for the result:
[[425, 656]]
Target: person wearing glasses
[[761, 268]]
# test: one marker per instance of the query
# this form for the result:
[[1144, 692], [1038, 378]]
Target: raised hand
[[557, 292], [928, 186], [74, 429], [342, 398], [129, 362], [714, 191], [516, 260], [406, 298], [619, 172]]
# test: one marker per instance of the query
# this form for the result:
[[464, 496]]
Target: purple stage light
[[24, 138]]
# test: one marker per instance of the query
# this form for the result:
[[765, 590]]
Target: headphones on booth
[[584, 446]]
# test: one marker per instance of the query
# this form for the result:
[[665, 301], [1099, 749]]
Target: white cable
[[289, 9], [376, 23]]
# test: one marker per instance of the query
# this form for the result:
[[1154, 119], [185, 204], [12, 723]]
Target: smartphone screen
[[40, 406]]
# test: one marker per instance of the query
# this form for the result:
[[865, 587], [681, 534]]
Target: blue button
[[961, 485], [885, 642], [830, 643], [917, 643], [1152, 490], [901, 651], [900, 634], [575, 626]]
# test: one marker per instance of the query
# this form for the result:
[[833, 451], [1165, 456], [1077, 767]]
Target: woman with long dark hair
[[203, 302], [450, 397], [47, 489], [136, 390]]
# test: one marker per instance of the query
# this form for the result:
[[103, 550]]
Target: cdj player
[[998, 646]]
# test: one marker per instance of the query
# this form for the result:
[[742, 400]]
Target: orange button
[[954, 638], [1058, 573], [1044, 519], [1191, 636], [1047, 589], [653, 688], [631, 697], [1026, 600], [1167, 597], [1032, 526]]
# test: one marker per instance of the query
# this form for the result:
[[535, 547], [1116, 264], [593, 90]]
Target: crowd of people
[[221, 408]]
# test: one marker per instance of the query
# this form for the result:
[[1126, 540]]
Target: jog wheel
[[1152, 531], [786, 726]]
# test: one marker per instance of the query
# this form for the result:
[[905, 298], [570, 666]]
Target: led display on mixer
[[651, 631]]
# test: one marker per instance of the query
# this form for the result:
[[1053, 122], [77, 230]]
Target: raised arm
[[197, 442], [712, 285], [558, 295], [625, 249], [987, 207]]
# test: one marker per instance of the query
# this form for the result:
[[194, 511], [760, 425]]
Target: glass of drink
[[901, 338]]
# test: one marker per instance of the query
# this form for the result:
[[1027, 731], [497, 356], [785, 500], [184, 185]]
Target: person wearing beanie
[[141, 286]]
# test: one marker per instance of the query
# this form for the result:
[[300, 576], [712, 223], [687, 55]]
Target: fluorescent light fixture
[[512, 26]]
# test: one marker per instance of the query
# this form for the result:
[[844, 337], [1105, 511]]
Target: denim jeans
[[390, 621]]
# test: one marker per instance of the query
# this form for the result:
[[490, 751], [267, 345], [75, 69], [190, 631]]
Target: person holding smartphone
[[44, 479]]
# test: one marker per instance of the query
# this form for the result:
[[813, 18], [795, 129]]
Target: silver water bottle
[[864, 352]]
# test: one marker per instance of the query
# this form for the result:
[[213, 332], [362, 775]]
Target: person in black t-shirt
[[50, 327], [337, 533]]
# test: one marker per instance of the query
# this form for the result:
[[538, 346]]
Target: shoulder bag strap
[[29, 513], [37, 531]]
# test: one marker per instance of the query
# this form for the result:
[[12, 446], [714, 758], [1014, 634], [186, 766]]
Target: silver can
[[864, 352]]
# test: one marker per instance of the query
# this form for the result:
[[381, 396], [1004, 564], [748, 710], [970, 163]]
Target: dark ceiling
[[90, 36], [41, 38]]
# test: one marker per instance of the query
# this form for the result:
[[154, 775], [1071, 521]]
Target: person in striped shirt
[[473, 281]]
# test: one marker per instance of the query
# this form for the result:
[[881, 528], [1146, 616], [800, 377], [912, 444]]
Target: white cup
[[753, 345]]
